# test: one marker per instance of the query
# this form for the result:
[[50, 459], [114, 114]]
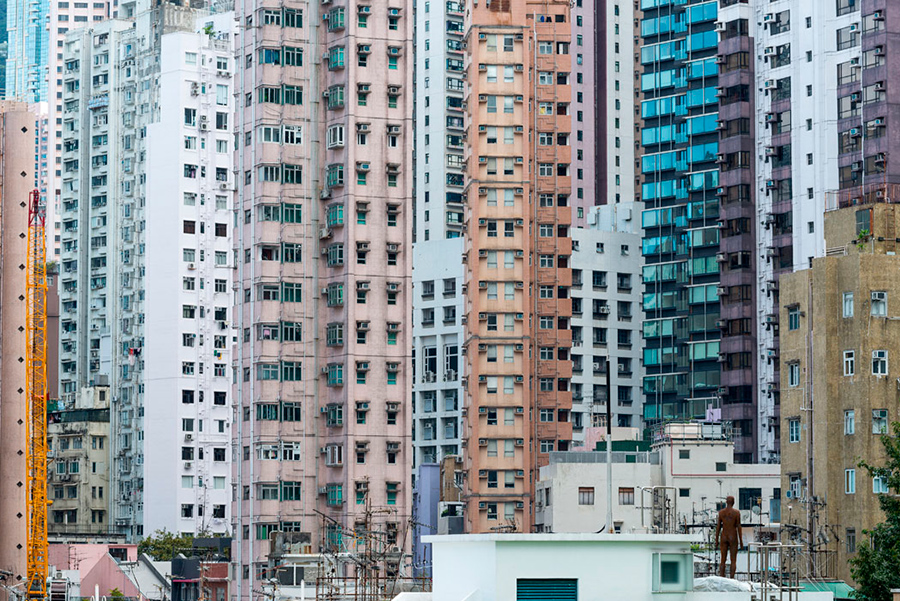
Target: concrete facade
[[63, 16], [518, 249], [606, 301], [145, 302], [570, 566], [16, 182], [696, 463], [324, 288], [437, 347], [78, 437], [839, 388]]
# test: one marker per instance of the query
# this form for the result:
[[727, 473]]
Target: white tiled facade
[[146, 258], [437, 332], [606, 317], [437, 258]]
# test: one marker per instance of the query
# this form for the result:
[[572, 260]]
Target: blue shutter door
[[557, 589]]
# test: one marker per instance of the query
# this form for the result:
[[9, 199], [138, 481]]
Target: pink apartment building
[[323, 244]]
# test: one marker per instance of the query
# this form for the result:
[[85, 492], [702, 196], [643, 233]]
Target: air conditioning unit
[[393, 247], [721, 257], [188, 465], [721, 290], [604, 310], [195, 89], [769, 83], [223, 185], [188, 437], [720, 26], [325, 233], [770, 50], [520, 442], [204, 126]]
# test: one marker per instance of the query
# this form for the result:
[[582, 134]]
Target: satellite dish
[[755, 510]]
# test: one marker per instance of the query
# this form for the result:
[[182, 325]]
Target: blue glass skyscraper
[[27, 37], [680, 176]]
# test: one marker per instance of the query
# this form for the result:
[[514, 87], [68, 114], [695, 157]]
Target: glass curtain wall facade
[[680, 176]]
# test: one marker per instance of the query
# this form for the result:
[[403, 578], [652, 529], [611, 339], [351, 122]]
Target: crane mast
[[36, 393]]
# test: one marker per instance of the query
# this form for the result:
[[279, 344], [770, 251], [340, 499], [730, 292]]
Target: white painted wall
[[164, 352], [697, 473]]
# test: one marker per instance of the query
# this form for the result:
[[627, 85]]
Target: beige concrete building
[[840, 329], [16, 181], [78, 469], [518, 272]]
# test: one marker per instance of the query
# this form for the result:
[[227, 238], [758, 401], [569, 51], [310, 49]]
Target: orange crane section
[[36, 396]]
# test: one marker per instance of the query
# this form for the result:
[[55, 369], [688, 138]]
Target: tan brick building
[[840, 380]]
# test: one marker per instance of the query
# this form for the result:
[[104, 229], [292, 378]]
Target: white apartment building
[[437, 252], [437, 330], [808, 64], [147, 265], [690, 468], [64, 15], [606, 317]]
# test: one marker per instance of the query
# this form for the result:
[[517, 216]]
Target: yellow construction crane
[[36, 391]]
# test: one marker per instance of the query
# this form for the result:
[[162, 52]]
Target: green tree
[[874, 568], [162, 545], [116, 594]]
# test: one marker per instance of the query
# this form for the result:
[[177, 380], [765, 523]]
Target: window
[[794, 318], [793, 374], [849, 363], [879, 363], [585, 495], [848, 304], [748, 497], [879, 303], [850, 538], [850, 481], [849, 422], [794, 430], [626, 496], [879, 421], [880, 486]]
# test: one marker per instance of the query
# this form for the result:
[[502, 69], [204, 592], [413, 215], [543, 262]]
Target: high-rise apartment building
[[16, 182], [822, 99], [606, 318], [63, 16], [440, 200], [839, 347], [749, 408], [688, 373], [324, 250], [603, 87], [26, 59], [147, 260], [518, 251]]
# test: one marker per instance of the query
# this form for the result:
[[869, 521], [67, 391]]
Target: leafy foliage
[[162, 545], [875, 566]]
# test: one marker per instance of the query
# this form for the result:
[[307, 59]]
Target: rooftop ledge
[[564, 538]]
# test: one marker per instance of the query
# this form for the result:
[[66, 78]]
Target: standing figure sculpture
[[728, 525]]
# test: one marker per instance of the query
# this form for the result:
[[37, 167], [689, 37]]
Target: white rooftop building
[[679, 478], [566, 567]]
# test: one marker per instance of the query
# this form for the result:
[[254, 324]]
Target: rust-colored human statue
[[728, 525]]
